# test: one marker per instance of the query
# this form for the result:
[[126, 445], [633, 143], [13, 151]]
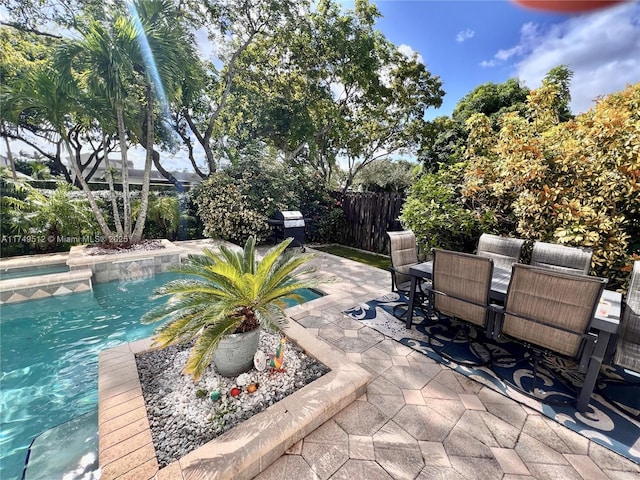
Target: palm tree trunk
[[106, 231], [125, 172], [144, 197], [109, 177], [10, 158]]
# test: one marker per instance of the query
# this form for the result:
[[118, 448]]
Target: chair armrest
[[394, 284]]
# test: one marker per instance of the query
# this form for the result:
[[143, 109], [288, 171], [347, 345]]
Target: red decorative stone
[[235, 391]]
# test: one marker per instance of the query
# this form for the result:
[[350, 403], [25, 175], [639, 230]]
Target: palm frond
[[183, 287], [249, 256], [273, 254], [200, 260], [172, 310], [285, 291], [232, 257], [272, 317], [173, 333], [283, 272]]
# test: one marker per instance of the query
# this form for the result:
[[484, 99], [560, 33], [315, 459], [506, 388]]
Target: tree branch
[[23, 28]]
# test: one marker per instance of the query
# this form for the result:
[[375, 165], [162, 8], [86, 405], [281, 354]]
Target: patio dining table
[[604, 324]]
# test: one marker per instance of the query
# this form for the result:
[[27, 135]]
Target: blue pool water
[[49, 358]]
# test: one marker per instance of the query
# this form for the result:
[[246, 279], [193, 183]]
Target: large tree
[[444, 140], [162, 50], [493, 100], [232, 26], [332, 88], [46, 98]]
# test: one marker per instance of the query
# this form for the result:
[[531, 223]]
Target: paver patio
[[421, 420]]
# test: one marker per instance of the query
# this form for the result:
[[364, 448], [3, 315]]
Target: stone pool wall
[[83, 270], [125, 266]]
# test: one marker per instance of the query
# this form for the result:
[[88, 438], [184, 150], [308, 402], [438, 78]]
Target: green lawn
[[372, 259]]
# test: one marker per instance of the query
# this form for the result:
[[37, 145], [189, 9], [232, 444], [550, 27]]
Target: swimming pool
[[49, 357]]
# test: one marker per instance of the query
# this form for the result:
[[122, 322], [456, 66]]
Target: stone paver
[[585, 467], [471, 402], [360, 418], [361, 447], [434, 454], [368, 470], [413, 397], [510, 461], [324, 459]]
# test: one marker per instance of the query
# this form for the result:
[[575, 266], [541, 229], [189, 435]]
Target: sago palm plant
[[230, 292]]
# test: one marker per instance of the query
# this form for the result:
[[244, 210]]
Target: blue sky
[[467, 43]]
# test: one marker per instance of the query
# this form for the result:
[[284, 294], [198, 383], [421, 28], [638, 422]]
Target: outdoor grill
[[287, 224]]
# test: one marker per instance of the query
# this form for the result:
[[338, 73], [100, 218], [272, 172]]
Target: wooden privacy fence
[[369, 215]]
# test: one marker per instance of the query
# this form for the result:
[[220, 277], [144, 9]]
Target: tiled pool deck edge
[[126, 448], [42, 286]]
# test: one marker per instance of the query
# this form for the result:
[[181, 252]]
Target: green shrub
[[332, 226], [236, 202], [44, 220], [225, 212], [163, 216], [574, 183], [436, 212]]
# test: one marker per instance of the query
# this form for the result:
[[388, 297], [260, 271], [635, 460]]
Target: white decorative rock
[[260, 361], [243, 379]]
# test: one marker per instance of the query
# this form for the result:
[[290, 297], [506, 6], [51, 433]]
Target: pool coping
[[39, 260], [126, 448], [23, 289]]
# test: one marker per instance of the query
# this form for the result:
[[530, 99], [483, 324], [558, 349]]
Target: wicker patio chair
[[504, 251], [627, 354], [460, 289], [404, 255], [550, 313], [576, 260], [628, 346]]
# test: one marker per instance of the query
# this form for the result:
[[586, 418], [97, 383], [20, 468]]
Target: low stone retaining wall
[[125, 266]]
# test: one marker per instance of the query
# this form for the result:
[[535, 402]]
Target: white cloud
[[464, 35], [409, 52], [488, 63], [602, 49]]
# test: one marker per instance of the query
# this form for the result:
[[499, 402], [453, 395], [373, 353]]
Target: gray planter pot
[[235, 353]]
